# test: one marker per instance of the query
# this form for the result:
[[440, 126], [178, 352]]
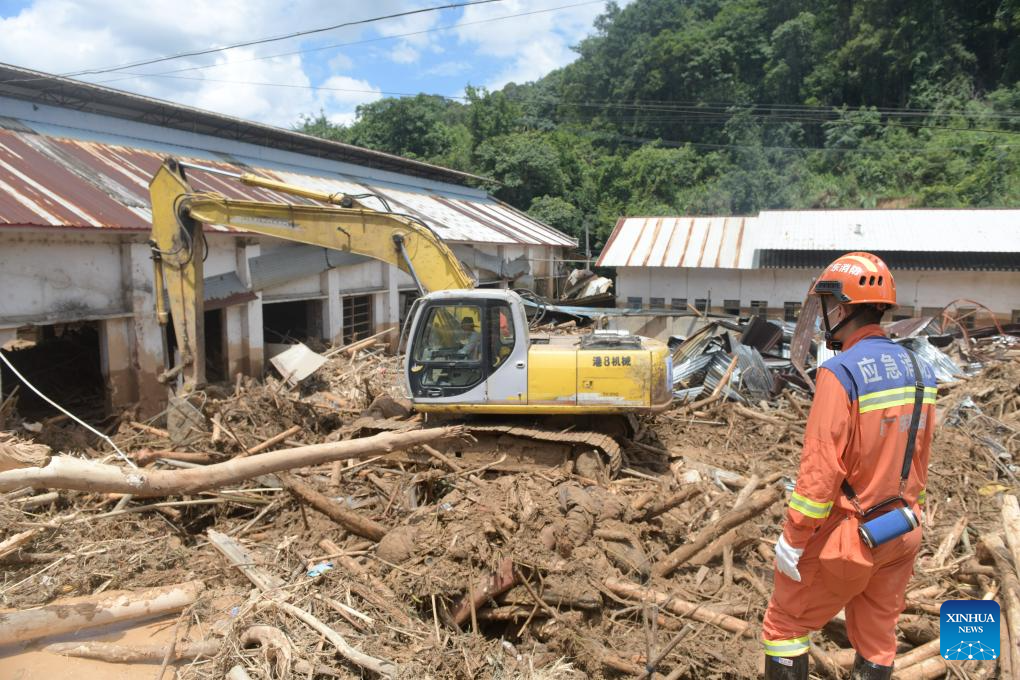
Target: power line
[[707, 145], [260, 41], [397, 36], [691, 115]]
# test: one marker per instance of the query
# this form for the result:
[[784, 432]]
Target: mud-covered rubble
[[546, 572]]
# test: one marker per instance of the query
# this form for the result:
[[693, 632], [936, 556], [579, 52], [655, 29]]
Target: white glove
[[787, 558]]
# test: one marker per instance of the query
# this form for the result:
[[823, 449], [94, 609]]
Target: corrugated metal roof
[[912, 239], [56, 181], [47, 89], [677, 242], [940, 230]]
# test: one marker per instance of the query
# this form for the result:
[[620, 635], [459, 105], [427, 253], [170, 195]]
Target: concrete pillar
[[332, 308], [115, 363], [237, 350], [387, 306], [251, 315], [147, 346]]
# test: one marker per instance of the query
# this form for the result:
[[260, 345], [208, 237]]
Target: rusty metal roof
[[50, 180], [677, 242], [47, 89]]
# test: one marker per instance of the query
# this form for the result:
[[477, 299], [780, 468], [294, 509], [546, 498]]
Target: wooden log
[[359, 344], [671, 603], [825, 663], [33, 502], [67, 472], [930, 668], [673, 501], [348, 519], [387, 669], [732, 539], [68, 616], [114, 653], [1011, 528], [14, 543], [1009, 596], [272, 441], [948, 544], [757, 415], [755, 505], [149, 429], [237, 672], [918, 654], [239, 556], [17, 453], [148, 457], [277, 649], [487, 587], [1006, 639]]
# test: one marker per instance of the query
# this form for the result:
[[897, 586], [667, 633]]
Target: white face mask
[[836, 314]]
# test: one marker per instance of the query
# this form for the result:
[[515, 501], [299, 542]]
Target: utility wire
[[396, 36], [692, 116], [261, 41], [63, 410]]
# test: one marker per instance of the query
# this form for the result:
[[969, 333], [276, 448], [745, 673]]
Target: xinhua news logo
[[969, 629]]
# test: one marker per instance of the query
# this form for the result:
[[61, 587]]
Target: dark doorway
[[289, 321], [63, 362]]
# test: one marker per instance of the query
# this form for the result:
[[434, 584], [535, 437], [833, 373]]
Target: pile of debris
[[314, 528], [753, 360]]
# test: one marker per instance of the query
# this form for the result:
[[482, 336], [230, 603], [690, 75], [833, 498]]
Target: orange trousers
[[796, 609]]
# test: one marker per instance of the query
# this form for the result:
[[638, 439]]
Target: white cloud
[[66, 36], [403, 53], [534, 44], [340, 62], [449, 68]]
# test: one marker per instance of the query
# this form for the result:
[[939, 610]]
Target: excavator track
[[511, 447]]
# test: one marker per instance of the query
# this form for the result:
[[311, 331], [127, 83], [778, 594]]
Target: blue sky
[[437, 52]]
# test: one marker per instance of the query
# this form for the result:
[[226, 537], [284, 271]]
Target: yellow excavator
[[468, 350]]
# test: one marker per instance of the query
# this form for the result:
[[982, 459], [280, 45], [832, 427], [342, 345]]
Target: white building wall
[[999, 291], [50, 276], [58, 276]]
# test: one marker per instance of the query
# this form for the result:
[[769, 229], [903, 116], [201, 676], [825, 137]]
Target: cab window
[[502, 336], [451, 346]]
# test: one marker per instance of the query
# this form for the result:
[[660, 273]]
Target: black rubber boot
[[865, 670], [786, 667]]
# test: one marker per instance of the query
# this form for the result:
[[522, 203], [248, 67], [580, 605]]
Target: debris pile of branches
[[320, 530]]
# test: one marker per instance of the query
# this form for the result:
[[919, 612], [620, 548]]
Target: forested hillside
[[734, 106]]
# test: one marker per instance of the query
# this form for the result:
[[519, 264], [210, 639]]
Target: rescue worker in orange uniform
[[856, 438]]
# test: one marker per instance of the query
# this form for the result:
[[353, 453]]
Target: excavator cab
[[460, 348]]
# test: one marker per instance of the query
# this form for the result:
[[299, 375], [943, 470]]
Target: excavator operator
[[471, 343], [852, 529]]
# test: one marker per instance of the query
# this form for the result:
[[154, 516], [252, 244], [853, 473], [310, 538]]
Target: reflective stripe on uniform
[[810, 508], [922, 497], [793, 647], [898, 396]]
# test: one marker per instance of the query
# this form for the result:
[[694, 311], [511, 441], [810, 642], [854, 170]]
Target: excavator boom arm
[[178, 214]]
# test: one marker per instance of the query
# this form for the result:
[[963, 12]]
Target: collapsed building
[[75, 162]]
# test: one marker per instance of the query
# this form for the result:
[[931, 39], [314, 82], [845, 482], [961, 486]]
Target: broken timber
[[67, 472]]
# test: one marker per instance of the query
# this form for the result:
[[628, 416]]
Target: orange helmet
[[857, 278]]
